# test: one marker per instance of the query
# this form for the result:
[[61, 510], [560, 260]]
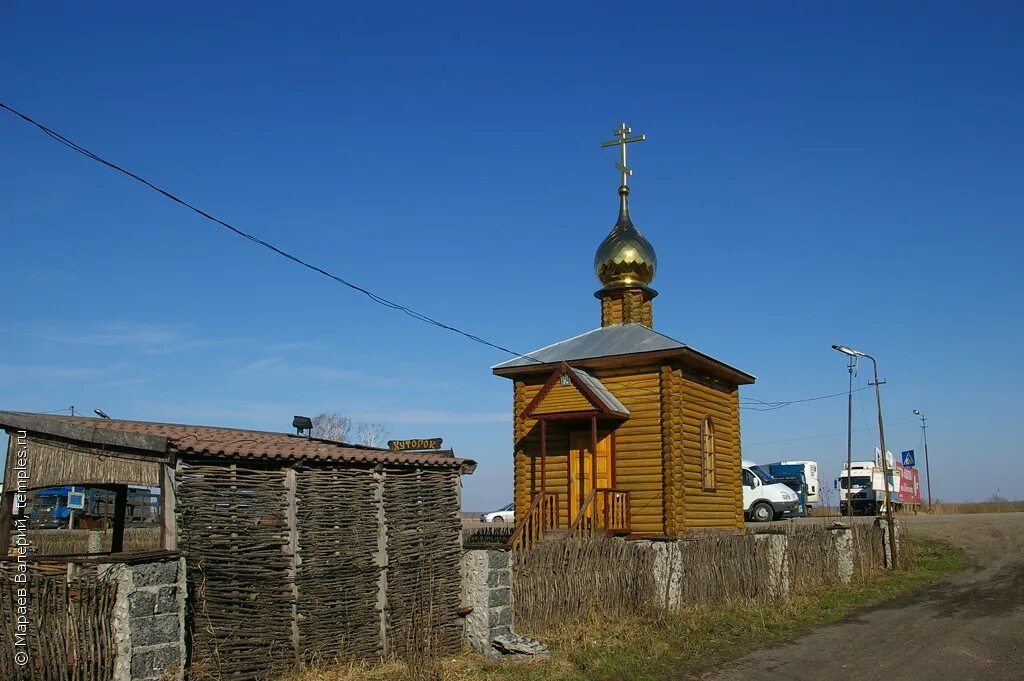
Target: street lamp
[[927, 470], [881, 437]]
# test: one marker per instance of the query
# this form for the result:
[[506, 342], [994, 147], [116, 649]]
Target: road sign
[[908, 458], [76, 500]]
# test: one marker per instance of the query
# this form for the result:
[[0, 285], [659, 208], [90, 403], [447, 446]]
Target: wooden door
[[581, 468]]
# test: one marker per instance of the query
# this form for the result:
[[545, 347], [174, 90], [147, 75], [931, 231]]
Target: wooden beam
[[168, 506], [291, 518], [593, 451], [6, 515], [543, 455], [120, 511]]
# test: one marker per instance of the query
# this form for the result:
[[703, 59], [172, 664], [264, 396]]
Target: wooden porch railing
[[605, 511], [541, 516]]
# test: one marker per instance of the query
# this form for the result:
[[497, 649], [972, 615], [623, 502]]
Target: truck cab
[[765, 499], [861, 496]]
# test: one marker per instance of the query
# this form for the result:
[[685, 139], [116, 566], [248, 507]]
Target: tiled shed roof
[[213, 441]]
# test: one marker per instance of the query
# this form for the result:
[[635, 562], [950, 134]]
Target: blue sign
[[908, 458]]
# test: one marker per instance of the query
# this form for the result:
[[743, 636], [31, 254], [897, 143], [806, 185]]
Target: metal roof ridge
[[547, 347]]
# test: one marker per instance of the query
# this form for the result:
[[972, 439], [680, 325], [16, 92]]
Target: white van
[[763, 498]]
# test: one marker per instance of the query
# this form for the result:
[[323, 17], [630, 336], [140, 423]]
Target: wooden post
[[168, 506], [291, 518], [593, 450], [6, 515], [543, 454], [120, 508]]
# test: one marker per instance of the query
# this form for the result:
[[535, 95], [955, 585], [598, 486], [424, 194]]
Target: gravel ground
[[968, 627]]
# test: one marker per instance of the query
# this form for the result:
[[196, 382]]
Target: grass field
[[677, 646]]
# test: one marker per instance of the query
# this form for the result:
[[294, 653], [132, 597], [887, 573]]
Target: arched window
[[707, 453]]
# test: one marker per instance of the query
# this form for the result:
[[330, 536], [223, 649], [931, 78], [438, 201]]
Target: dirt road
[[967, 628]]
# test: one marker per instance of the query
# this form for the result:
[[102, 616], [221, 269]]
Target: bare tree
[[331, 426], [372, 434]]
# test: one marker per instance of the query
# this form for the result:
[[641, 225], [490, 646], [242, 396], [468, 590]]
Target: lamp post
[[852, 368], [881, 437], [927, 470]]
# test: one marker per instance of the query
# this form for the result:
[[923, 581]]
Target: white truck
[[765, 499], [811, 478]]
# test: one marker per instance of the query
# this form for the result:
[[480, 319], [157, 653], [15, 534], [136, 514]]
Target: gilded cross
[[623, 139]]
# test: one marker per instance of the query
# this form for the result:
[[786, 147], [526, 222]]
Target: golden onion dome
[[625, 258]]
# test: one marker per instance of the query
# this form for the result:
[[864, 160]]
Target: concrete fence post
[[776, 545], [487, 589], [842, 540], [668, 572], [149, 619], [887, 552]]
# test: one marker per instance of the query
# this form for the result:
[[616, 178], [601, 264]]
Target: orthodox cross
[[623, 139]]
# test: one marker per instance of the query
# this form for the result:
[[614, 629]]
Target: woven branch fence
[[868, 559], [70, 630], [560, 581], [812, 558], [318, 565], [723, 569]]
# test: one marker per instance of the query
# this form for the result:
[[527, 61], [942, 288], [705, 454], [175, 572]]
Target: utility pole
[[927, 469], [881, 437], [849, 438], [885, 466]]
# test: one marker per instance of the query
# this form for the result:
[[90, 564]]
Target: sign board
[[910, 485], [76, 500], [421, 443], [908, 458]]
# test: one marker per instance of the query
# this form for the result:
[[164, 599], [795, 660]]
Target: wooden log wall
[[723, 506], [71, 630], [234, 536], [338, 573], [424, 584], [638, 443]]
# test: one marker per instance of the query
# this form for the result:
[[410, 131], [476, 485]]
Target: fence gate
[[68, 624]]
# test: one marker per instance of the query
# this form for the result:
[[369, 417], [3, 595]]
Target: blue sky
[[813, 174]]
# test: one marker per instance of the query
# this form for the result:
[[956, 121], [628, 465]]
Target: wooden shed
[[623, 429], [297, 549]]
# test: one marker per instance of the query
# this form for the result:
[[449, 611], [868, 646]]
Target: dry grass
[[678, 646], [659, 645], [943, 508]]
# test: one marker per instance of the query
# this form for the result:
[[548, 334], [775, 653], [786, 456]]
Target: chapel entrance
[[584, 461]]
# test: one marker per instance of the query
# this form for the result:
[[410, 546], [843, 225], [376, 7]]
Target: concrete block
[[155, 574], [499, 597], [148, 631], [167, 599], [141, 604], [499, 578], [504, 616], [498, 559]]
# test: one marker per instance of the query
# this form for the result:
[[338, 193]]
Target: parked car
[[765, 499], [502, 515]]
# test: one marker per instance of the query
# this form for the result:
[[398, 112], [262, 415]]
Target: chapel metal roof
[[612, 341]]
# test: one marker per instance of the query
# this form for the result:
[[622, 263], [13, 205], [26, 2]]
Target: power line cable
[[772, 406], [817, 437], [380, 300]]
